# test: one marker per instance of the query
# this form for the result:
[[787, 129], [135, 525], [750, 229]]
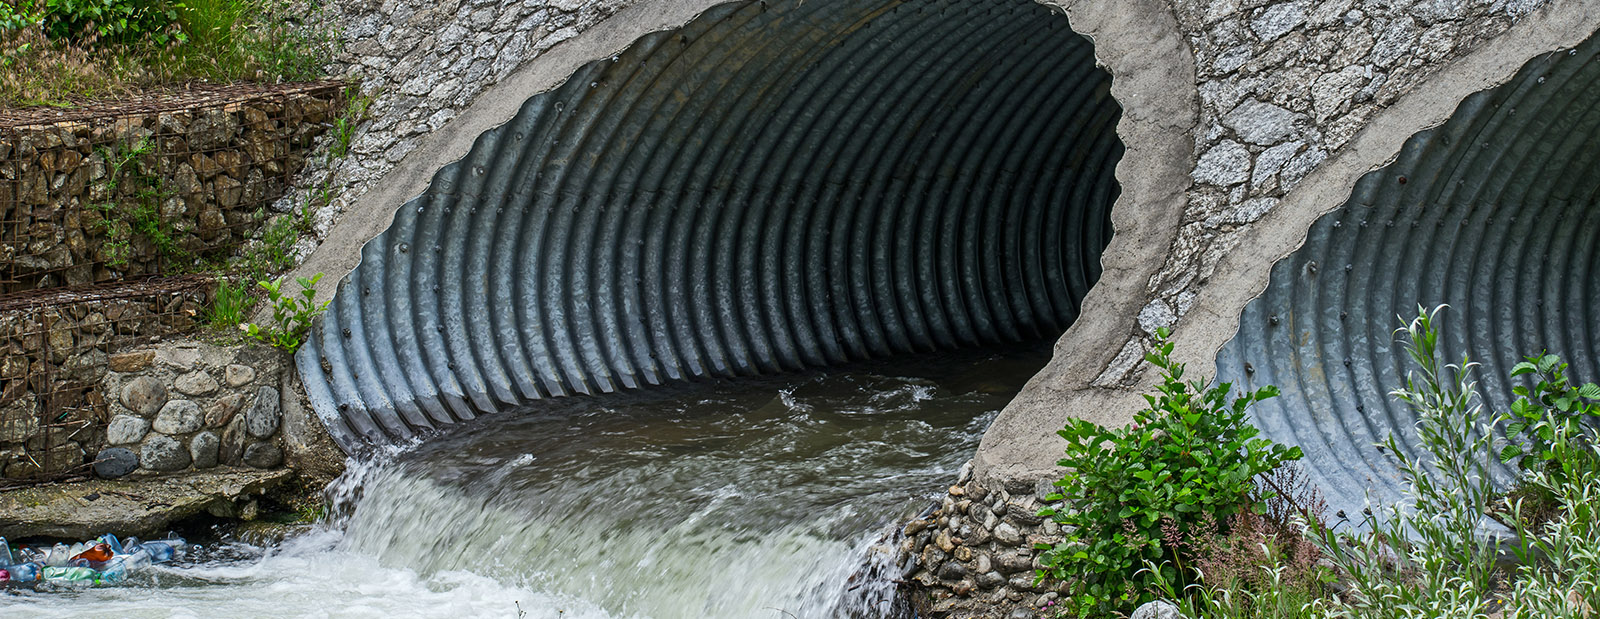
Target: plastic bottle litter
[[102, 560]]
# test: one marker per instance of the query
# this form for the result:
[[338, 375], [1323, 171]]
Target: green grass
[[60, 56]]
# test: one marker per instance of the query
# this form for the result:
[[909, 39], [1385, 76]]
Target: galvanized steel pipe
[[1493, 213], [776, 185]]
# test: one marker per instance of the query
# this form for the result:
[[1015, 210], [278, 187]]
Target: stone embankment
[[972, 554]]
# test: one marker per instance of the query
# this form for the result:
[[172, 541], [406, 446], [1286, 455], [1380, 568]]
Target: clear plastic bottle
[[5, 553], [26, 571]]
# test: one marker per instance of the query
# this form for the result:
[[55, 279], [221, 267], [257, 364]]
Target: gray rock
[[238, 375], [1330, 92], [179, 417], [262, 420], [144, 395], [1159, 609], [1394, 42], [1278, 20], [952, 570], [196, 383], [1271, 160], [1227, 163], [126, 430], [203, 450], [991, 580], [163, 453], [1155, 315], [1261, 123], [1012, 563], [1007, 534], [212, 130], [114, 462], [263, 455]]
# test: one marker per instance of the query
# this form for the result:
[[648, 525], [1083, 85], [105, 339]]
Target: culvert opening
[[1494, 213], [775, 185]]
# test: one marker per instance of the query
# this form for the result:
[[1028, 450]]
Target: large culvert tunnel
[[775, 185], [1494, 213]]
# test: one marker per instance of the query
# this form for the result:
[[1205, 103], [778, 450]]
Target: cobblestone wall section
[[56, 350], [421, 62], [1282, 86], [189, 405]]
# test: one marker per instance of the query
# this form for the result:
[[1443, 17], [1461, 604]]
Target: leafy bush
[[1548, 417], [115, 22], [1423, 555], [1189, 459], [291, 314]]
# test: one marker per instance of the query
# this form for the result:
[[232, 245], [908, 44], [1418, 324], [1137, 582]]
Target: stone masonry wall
[[1283, 85], [191, 405]]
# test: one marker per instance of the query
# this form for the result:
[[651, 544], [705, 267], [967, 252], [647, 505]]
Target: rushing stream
[[754, 498]]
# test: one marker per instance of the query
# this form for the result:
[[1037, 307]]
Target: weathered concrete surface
[[141, 507], [1138, 42]]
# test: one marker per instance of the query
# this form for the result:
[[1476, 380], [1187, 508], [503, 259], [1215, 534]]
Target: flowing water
[[742, 499]]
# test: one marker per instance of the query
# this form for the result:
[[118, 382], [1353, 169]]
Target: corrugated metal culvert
[[1494, 213], [773, 186]]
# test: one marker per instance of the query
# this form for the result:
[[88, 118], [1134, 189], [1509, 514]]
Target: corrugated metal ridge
[[1494, 213], [773, 186]]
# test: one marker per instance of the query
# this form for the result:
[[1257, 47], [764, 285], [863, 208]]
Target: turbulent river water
[[755, 498]]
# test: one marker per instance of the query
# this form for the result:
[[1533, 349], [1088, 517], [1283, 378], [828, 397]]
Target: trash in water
[[101, 560]]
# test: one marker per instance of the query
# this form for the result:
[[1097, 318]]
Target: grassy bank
[[70, 52]]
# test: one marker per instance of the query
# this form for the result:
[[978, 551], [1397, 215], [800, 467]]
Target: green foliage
[[136, 195], [231, 305], [106, 22], [59, 52], [1551, 409], [1559, 575], [1190, 458], [291, 313], [1424, 556], [344, 127], [275, 250]]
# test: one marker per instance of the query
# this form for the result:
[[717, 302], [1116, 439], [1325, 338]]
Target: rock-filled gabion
[[53, 361], [79, 198]]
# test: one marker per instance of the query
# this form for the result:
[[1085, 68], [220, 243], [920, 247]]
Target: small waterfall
[[763, 498]]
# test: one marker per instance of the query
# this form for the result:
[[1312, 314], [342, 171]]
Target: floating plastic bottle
[[5, 574], [71, 574], [96, 554], [25, 572], [5, 553]]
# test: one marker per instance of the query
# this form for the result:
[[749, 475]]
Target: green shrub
[[291, 314], [1188, 460], [61, 52], [1426, 556], [1547, 417]]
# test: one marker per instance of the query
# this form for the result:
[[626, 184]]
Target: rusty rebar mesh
[[188, 96], [57, 345], [170, 184]]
